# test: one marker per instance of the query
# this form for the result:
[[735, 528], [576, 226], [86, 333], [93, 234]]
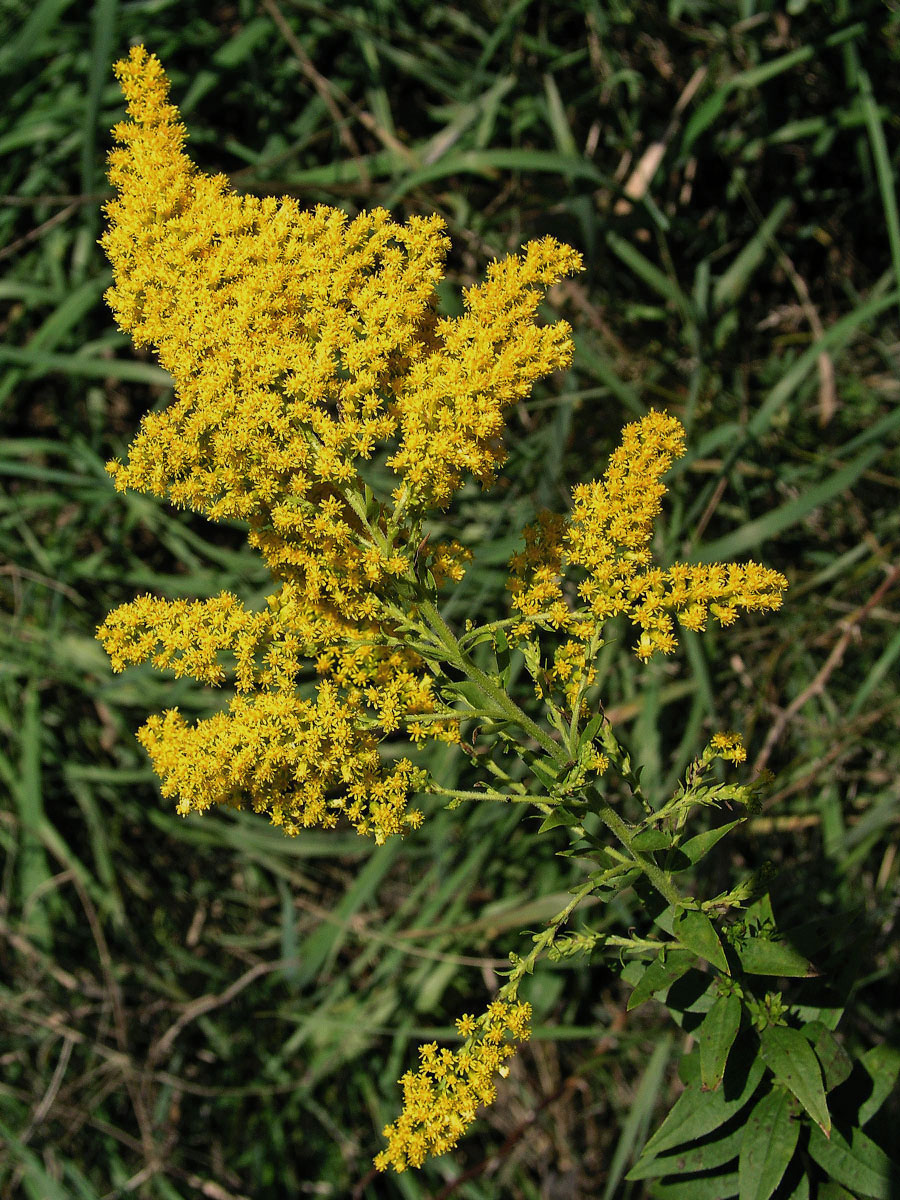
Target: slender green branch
[[617, 826], [589, 654], [492, 626], [474, 673], [636, 944], [542, 942], [622, 831], [505, 797]]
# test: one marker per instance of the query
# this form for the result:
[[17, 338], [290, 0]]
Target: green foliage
[[199, 1005]]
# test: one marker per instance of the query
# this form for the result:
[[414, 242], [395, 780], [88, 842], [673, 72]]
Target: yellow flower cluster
[[727, 746], [305, 761], [302, 345], [441, 1099], [453, 400], [606, 538], [190, 636]]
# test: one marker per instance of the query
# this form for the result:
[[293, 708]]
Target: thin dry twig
[[647, 165], [824, 364], [850, 626], [204, 1004], [120, 1024], [323, 87], [38, 232], [46, 1102]]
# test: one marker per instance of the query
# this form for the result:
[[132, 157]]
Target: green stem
[[460, 659], [543, 942], [589, 655], [638, 945], [621, 830], [607, 814], [493, 626], [505, 797]]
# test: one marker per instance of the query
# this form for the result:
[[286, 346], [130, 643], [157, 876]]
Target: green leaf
[[42, 18], [777, 520], [801, 1191], [768, 1147], [692, 994], [502, 655], [34, 1176], [664, 286], [660, 974], [662, 914], [716, 1035], [859, 1164], [732, 283], [884, 169], [689, 1160], [590, 731], [708, 112], [760, 910], [640, 1113], [882, 1064], [790, 1058], [29, 793], [652, 839], [759, 956], [709, 1187], [486, 162], [468, 691], [126, 370], [553, 820], [695, 930], [699, 846], [833, 1059], [697, 1113]]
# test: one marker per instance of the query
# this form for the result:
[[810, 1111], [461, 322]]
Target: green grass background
[[203, 1007]]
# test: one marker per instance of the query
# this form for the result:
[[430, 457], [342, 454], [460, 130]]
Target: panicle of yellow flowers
[[301, 344], [605, 543], [440, 1100]]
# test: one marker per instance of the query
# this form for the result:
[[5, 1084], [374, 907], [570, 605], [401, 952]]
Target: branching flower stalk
[[306, 348]]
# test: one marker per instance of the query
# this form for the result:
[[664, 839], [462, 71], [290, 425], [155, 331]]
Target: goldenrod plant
[[306, 348]]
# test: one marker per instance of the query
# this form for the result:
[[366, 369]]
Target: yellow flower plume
[[440, 1100], [302, 344], [606, 538]]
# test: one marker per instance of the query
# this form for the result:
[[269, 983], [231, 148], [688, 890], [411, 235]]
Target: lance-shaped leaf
[[790, 1058], [660, 974], [705, 1156], [697, 1113], [801, 1186], [716, 1035], [555, 818], [701, 1187], [700, 845], [759, 956], [859, 1164], [652, 839], [833, 1059], [695, 930], [882, 1063], [770, 1139]]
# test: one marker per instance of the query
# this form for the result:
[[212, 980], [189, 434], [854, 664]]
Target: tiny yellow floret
[[728, 746]]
